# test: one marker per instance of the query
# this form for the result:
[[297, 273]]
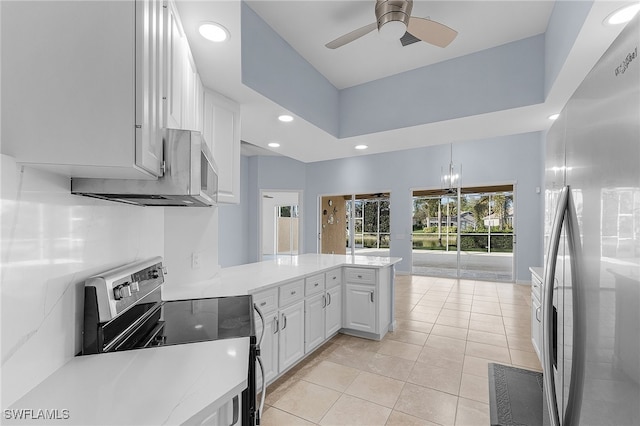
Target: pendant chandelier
[[450, 176]]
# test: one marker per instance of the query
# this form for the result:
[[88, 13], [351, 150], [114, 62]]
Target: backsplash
[[51, 242]]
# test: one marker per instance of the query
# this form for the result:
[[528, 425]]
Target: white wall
[[52, 241], [233, 247]]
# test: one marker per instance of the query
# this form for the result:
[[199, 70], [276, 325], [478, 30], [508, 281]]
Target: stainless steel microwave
[[190, 177]]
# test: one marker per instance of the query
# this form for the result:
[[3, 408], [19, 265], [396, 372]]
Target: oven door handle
[[263, 391], [263, 323]]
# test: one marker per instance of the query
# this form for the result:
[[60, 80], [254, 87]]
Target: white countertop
[[253, 277], [157, 386]]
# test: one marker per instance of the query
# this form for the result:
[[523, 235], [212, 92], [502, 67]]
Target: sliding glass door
[[466, 236]]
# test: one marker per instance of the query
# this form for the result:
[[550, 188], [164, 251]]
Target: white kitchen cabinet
[[314, 321], [268, 348], [228, 414], [221, 131], [333, 311], [367, 308], [360, 310], [536, 314], [291, 335], [86, 87], [182, 100]]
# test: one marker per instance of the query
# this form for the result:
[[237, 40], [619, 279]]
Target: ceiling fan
[[394, 21]]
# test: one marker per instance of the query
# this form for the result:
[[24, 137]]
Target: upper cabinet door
[[222, 134], [175, 69], [85, 80], [149, 83]]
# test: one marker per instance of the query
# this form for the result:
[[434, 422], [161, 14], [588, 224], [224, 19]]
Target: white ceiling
[[307, 25]]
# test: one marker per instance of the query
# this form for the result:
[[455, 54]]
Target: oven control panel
[[120, 288]]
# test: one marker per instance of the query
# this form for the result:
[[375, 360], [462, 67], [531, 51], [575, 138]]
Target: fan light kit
[[273, 144], [213, 31], [622, 15], [285, 118], [394, 21]]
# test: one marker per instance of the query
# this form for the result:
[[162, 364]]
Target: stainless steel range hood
[[190, 177]]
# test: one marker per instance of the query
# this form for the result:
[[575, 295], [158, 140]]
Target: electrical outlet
[[195, 260]]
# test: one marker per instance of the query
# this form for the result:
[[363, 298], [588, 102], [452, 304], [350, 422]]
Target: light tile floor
[[431, 371]]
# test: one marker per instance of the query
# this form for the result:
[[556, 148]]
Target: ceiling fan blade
[[353, 35], [431, 32]]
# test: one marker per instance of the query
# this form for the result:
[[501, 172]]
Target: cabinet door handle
[[329, 299], [371, 297], [324, 301], [275, 330], [538, 313], [284, 321]]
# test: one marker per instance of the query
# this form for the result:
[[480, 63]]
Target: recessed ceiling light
[[273, 144], [554, 116], [361, 147], [213, 31], [285, 118], [622, 15]]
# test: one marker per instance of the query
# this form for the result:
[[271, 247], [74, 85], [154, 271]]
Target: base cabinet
[[536, 315], [360, 310], [291, 335], [333, 311], [268, 348], [314, 321]]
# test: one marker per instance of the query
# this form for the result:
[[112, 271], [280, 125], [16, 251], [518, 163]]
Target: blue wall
[[515, 159], [233, 232]]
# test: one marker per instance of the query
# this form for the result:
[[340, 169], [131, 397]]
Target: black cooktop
[[198, 320]]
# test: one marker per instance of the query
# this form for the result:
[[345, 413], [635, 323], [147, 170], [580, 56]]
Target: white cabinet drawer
[[314, 284], [267, 300], [334, 278], [360, 275], [291, 292]]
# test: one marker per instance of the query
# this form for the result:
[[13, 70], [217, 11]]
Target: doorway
[[281, 234], [357, 224], [466, 234]]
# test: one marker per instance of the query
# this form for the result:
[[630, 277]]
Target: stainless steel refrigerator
[[591, 306]]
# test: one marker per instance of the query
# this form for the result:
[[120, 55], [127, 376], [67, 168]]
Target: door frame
[[514, 184], [261, 212]]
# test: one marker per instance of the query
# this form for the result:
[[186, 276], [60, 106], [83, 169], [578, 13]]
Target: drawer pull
[[360, 276], [316, 284], [335, 278], [293, 292], [263, 303]]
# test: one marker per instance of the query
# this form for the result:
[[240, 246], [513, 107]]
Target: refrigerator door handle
[[576, 384], [547, 307]]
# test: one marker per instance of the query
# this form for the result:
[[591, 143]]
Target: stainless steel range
[[123, 310]]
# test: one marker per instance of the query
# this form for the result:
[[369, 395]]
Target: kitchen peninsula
[[304, 300]]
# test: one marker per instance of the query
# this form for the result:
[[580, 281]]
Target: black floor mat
[[515, 396]]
